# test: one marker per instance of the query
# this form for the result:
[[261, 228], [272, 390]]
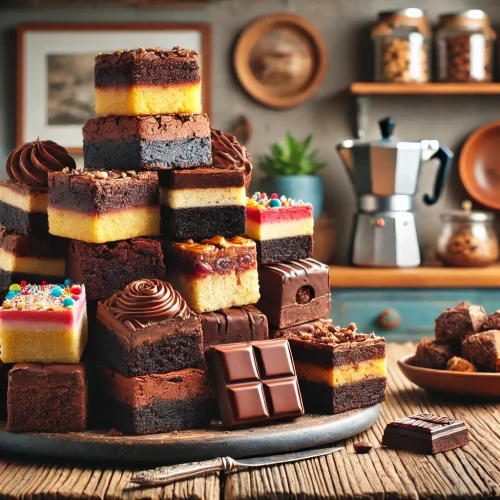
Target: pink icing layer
[[279, 214]]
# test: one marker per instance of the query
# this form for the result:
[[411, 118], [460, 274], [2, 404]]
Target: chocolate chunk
[[459, 322], [434, 354], [483, 350], [254, 382], [492, 323], [457, 364], [362, 447], [425, 433]]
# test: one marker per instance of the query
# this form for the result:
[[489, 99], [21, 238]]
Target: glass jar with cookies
[[464, 45], [402, 46], [468, 238]]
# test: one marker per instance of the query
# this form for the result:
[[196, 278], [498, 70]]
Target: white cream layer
[[32, 203], [31, 265], [196, 198]]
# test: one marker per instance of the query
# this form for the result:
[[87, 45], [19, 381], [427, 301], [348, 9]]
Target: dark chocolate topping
[[27, 374], [31, 163], [147, 302], [121, 55], [228, 153], [427, 422]]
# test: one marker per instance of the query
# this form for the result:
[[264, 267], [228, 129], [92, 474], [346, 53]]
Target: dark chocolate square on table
[[425, 433], [294, 292], [254, 382]]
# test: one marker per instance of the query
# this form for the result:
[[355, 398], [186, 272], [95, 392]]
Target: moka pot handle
[[445, 156]]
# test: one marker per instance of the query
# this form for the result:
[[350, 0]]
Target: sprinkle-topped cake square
[[102, 206], [281, 227], [43, 323], [214, 274], [147, 82]]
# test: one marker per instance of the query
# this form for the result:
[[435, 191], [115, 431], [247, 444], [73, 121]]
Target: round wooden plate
[[479, 385], [308, 431], [281, 60]]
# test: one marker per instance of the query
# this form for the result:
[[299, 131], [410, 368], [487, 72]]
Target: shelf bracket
[[363, 103]]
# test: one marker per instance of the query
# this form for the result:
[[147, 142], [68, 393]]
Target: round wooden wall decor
[[281, 60]]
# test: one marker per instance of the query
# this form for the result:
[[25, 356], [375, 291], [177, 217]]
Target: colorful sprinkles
[[262, 200], [45, 297]]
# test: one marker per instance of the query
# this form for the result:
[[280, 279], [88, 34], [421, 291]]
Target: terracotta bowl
[[479, 165], [476, 385]]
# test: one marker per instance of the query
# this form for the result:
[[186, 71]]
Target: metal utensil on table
[[171, 473]]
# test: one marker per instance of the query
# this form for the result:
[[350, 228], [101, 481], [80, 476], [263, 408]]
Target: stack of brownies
[[169, 253]]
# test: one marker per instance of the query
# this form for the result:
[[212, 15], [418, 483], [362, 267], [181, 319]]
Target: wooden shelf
[[374, 88], [418, 277]]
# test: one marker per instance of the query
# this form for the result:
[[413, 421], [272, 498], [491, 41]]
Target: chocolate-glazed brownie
[[455, 324], [432, 353], [147, 328], [47, 398], [107, 268], [147, 142]]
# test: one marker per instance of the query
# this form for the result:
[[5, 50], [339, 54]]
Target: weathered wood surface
[[473, 471]]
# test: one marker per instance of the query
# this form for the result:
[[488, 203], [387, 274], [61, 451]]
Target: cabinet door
[[403, 314]]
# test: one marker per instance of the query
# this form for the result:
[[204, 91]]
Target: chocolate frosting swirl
[[31, 163], [144, 303], [228, 153]]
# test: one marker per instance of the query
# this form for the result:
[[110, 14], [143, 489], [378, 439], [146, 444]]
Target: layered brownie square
[[43, 323], [483, 350], [147, 142], [294, 292], [237, 324], [106, 268], [155, 403], [147, 328], [98, 207], [214, 274], [47, 398], [338, 369], [147, 82], [202, 203], [31, 258], [228, 153], [281, 227], [23, 198]]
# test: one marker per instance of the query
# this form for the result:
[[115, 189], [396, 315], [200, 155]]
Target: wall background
[[329, 115]]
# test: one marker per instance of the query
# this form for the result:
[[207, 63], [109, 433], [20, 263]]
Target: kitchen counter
[[418, 277]]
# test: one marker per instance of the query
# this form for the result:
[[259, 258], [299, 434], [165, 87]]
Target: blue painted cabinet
[[406, 314]]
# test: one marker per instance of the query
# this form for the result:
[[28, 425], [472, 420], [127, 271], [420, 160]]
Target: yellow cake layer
[[218, 291], [148, 100], [32, 203], [31, 265], [195, 198], [341, 375], [43, 345], [101, 228], [262, 232]]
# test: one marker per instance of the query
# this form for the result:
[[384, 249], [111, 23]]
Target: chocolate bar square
[[236, 324], [254, 382], [294, 292], [425, 433]]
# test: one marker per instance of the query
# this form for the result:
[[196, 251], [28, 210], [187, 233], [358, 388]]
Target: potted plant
[[291, 169]]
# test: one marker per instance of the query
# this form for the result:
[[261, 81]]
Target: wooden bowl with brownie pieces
[[464, 356]]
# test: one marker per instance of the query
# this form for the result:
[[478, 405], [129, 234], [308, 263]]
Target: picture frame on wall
[[55, 71]]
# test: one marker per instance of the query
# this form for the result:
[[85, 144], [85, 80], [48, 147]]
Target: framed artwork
[[55, 71], [281, 60]]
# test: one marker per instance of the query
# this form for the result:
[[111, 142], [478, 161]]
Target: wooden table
[[471, 471]]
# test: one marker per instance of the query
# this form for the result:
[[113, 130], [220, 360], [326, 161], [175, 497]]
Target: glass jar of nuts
[[468, 238], [464, 45], [402, 41]]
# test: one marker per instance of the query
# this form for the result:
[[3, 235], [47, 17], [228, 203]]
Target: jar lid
[[471, 19], [467, 215], [412, 18]]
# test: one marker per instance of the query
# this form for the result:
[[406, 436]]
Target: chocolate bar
[[254, 382], [294, 292], [237, 324], [426, 433]]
